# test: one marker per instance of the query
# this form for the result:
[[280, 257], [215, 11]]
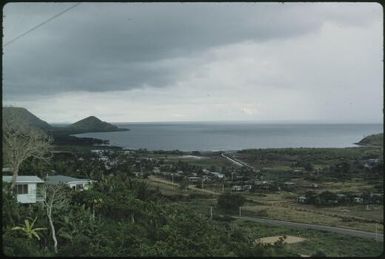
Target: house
[[28, 188], [139, 174], [358, 200], [246, 187], [301, 199], [236, 188], [370, 163], [218, 175], [342, 198], [205, 171], [74, 183], [314, 185], [194, 179], [156, 170]]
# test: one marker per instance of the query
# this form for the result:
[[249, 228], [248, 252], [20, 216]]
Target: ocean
[[234, 136]]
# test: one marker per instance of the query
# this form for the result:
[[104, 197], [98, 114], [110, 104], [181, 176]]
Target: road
[[237, 161], [190, 187], [343, 231]]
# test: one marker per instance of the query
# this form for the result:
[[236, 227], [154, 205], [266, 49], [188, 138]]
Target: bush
[[230, 202]]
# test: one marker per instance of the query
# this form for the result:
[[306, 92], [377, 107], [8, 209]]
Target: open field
[[169, 188], [286, 239], [311, 217], [330, 243]]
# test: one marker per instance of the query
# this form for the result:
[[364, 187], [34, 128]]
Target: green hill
[[92, 124], [21, 116], [61, 135], [372, 140]]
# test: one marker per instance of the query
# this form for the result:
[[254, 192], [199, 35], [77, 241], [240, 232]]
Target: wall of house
[[30, 197], [84, 183]]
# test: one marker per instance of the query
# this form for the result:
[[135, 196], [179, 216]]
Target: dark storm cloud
[[102, 47]]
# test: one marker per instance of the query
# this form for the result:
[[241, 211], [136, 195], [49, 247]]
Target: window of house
[[22, 188]]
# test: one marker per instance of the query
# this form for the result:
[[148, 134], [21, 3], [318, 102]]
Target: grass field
[[333, 245]]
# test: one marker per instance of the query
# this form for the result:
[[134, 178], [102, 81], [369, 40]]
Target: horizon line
[[245, 121]]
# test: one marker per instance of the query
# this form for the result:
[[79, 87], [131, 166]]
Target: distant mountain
[[372, 140], [92, 124], [23, 116]]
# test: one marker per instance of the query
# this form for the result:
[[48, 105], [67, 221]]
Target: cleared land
[[286, 239]]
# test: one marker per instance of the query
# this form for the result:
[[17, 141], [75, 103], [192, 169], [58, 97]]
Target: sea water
[[206, 136]]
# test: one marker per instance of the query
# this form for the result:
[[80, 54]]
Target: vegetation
[[123, 217], [20, 142], [92, 124], [330, 244], [373, 140], [164, 203], [61, 135], [25, 117], [230, 202]]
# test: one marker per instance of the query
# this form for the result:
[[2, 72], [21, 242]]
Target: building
[[74, 183], [194, 179], [6, 170], [314, 185], [236, 188], [358, 200], [370, 163], [28, 188], [218, 175], [301, 199], [205, 171]]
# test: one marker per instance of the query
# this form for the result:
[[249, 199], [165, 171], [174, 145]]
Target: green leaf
[[36, 235], [17, 228]]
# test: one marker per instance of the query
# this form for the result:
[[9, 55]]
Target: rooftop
[[56, 179], [23, 179]]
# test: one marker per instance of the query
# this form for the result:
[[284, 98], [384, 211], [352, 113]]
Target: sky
[[150, 62]]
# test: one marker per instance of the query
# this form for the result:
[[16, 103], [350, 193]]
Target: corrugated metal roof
[[23, 179], [56, 179]]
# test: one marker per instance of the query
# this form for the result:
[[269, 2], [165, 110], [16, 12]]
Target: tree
[[230, 202], [20, 142], [319, 253], [55, 198], [183, 184], [308, 167], [28, 229]]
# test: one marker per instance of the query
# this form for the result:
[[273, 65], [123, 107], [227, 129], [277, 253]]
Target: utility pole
[[240, 211], [211, 212]]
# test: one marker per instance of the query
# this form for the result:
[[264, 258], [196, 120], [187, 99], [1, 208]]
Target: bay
[[206, 136]]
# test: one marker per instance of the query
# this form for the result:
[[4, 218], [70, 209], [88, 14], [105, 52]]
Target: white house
[[236, 188], [74, 183], [27, 188], [218, 175], [301, 199]]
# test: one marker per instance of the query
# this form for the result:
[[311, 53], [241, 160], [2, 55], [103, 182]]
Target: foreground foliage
[[123, 217]]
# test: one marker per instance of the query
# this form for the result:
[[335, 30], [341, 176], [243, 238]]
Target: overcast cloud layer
[[196, 61]]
